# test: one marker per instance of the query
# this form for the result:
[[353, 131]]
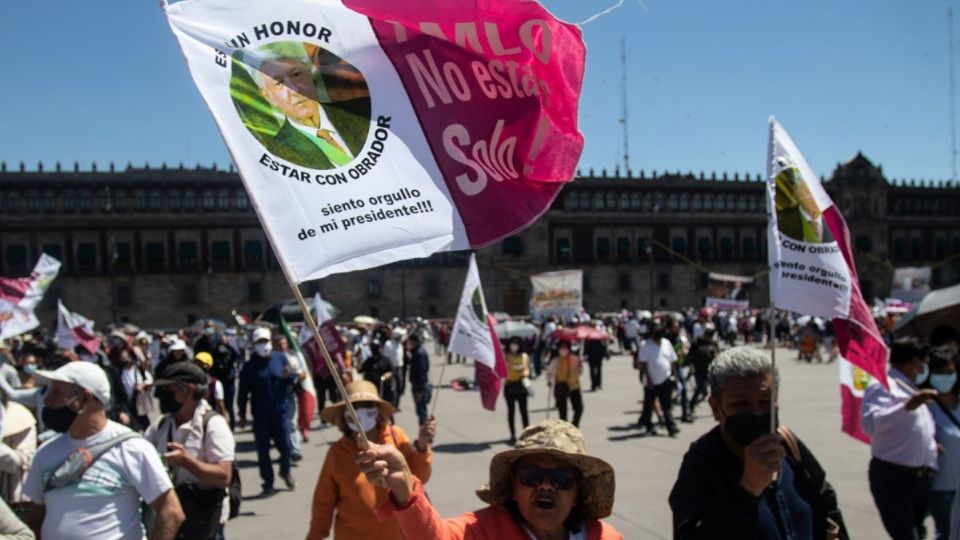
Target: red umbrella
[[578, 333]]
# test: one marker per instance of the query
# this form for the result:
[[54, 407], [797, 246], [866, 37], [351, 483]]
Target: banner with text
[[20, 296], [728, 292], [911, 284], [371, 131], [557, 294], [811, 261]]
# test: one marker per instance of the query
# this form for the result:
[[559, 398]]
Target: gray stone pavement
[[645, 467]]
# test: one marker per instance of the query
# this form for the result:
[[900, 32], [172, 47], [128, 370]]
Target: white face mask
[[263, 349], [368, 419], [514, 348]]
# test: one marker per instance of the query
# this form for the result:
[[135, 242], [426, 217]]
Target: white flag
[[19, 297], [471, 334], [74, 329]]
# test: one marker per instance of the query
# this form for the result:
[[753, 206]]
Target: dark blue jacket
[[262, 379], [419, 369]]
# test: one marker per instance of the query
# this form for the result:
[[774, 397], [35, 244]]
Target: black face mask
[[58, 419], [744, 428], [168, 402]]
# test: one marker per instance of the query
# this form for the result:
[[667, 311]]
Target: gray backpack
[[72, 469]]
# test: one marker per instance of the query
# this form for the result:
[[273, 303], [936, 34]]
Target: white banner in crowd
[[557, 294], [728, 292], [911, 284], [20, 296], [371, 131]]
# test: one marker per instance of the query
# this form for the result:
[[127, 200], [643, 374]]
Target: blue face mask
[[943, 382], [922, 376]]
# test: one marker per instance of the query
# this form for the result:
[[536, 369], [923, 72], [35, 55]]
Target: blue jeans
[[421, 403], [274, 427], [941, 502], [294, 430]]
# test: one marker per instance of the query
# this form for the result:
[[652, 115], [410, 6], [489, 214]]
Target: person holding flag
[[903, 445], [741, 481]]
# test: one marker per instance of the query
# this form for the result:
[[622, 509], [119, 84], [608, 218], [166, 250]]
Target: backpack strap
[[790, 440]]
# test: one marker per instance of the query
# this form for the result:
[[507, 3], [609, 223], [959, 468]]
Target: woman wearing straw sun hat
[[546, 488], [342, 487]]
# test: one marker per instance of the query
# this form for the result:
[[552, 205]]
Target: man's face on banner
[[288, 85]]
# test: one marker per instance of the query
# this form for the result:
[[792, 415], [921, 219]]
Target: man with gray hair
[[741, 481]]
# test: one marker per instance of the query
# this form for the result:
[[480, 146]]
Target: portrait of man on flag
[[303, 103], [798, 215]]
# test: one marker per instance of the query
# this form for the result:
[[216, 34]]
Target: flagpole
[[330, 365], [773, 368], [436, 398]]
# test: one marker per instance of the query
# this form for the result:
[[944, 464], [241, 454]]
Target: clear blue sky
[[104, 80]]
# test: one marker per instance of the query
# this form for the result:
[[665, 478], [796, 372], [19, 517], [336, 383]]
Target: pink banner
[[495, 85], [857, 336]]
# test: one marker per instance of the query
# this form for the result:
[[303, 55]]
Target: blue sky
[[104, 81]]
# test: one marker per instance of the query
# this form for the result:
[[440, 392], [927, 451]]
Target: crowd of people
[[136, 437]]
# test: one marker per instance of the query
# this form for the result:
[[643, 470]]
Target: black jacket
[[419, 369], [708, 502]]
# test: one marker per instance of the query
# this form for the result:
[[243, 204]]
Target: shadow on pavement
[[465, 447]]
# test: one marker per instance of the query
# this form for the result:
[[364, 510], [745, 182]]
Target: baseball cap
[[204, 358], [182, 372], [261, 334], [86, 375], [178, 345]]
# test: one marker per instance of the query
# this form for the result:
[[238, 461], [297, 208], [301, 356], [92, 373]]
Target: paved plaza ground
[[646, 467]]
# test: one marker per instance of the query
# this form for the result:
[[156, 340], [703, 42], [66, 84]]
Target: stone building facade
[[162, 246]]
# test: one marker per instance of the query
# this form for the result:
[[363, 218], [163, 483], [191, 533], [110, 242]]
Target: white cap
[[260, 334], [86, 375], [143, 336], [178, 345]]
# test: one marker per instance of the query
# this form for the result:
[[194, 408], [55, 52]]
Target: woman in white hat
[[546, 488], [342, 487]]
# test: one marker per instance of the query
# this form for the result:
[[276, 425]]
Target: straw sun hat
[[357, 391], [564, 441]]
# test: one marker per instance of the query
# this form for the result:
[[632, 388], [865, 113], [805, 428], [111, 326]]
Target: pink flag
[[853, 382], [435, 125], [488, 380]]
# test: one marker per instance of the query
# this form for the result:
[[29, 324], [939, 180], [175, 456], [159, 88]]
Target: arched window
[[673, 202], [139, 200], [189, 200], [207, 200], [156, 200], [571, 201], [731, 202], [242, 202], [635, 201], [584, 200], [684, 202], [86, 199], [624, 201], [708, 202], [223, 200], [174, 197], [720, 203]]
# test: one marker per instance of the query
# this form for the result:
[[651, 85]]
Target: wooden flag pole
[[773, 364], [330, 365], [436, 398]]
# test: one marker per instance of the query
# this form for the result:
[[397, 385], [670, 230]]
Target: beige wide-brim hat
[[357, 391], [16, 419], [563, 441]]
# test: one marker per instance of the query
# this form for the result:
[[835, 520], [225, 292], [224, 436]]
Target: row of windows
[[624, 250], [190, 294], [155, 257], [120, 200], [938, 206], [656, 201]]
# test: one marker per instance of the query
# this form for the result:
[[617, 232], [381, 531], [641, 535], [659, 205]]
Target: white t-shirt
[[698, 330], [659, 357], [631, 328], [218, 390], [214, 446], [105, 503]]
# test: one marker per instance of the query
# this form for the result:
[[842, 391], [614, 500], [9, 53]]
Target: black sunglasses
[[562, 478]]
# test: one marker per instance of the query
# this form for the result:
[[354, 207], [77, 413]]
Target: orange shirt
[[344, 489], [419, 519]]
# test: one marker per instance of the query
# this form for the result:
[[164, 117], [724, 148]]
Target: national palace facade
[[162, 246]]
